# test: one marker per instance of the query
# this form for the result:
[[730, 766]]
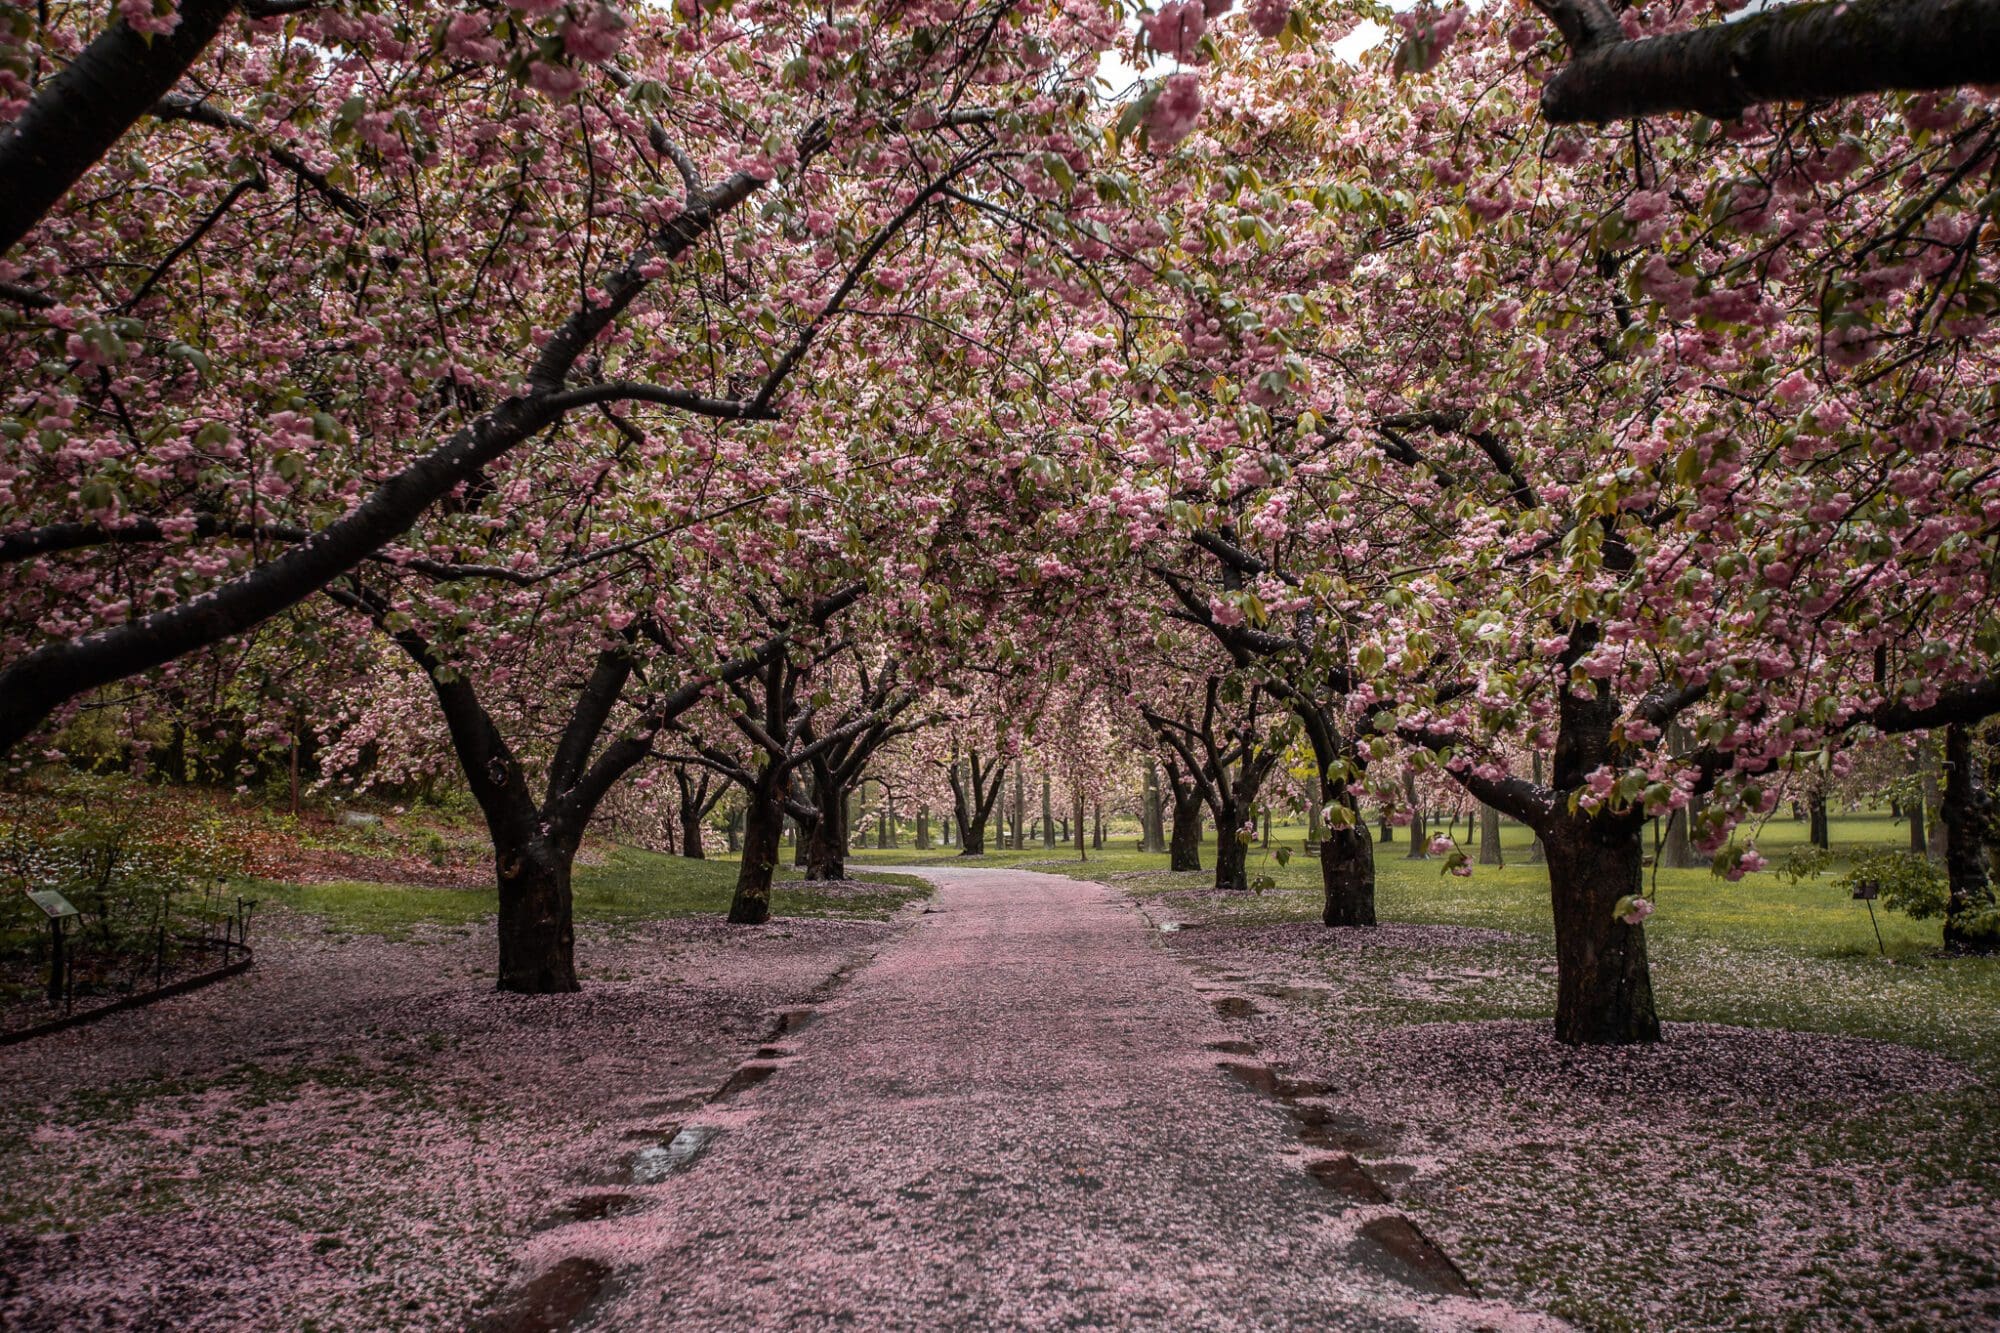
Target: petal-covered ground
[[1731, 1177], [1014, 1117], [360, 1132]]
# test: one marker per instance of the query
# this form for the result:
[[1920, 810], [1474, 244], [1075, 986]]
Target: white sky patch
[[1120, 75]]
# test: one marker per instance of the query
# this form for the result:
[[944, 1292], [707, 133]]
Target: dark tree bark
[[1184, 847], [37, 684], [1226, 770], [763, 823], [1536, 856], [1347, 851], [1970, 925], [974, 793], [1048, 818], [1347, 876], [1604, 988], [75, 116], [1347, 856], [537, 939], [826, 842], [1816, 812], [786, 745], [698, 799], [1794, 53], [1231, 858], [535, 842]]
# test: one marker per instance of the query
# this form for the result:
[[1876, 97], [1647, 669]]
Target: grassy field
[[1711, 940], [629, 885]]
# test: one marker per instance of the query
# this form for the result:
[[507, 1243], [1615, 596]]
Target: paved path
[[1011, 1118]]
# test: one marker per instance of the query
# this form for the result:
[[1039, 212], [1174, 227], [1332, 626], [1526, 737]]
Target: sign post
[[59, 910]]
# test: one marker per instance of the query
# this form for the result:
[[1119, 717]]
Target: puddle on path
[[650, 1166], [1347, 1178], [1394, 1246], [551, 1302], [792, 1021], [745, 1077], [1342, 1131], [597, 1207]]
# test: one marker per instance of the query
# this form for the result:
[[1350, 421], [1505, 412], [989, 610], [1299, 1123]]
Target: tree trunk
[[1048, 818], [1231, 853], [826, 847], [1677, 848], [1816, 811], [1347, 875], [1387, 832], [1970, 922], [1536, 856], [734, 833], [1489, 837], [762, 826], [691, 832], [1604, 989], [923, 828], [1420, 834], [1791, 53], [1152, 830], [1020, 810], [537, 937], [1184, 850]]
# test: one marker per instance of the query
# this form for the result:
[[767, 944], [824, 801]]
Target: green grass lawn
[[1763, 951], [630, 885]]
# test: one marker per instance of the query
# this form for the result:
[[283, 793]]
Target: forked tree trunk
[[762, 827], [1184, 847], [1604, 989], [691, 833], [537, 936]]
